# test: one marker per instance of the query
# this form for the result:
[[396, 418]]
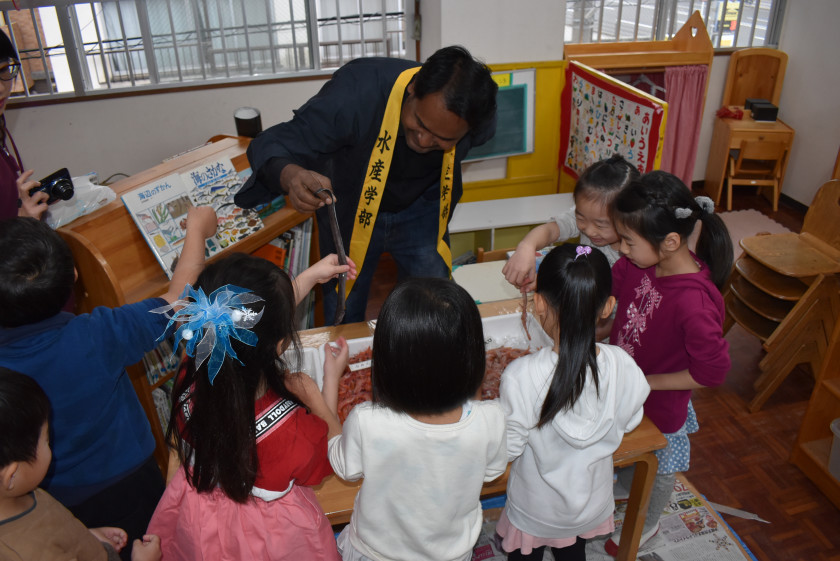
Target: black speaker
[[764, 111], [750, 100]]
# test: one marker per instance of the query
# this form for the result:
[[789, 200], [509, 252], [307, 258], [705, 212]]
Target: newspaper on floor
[[689, 529]]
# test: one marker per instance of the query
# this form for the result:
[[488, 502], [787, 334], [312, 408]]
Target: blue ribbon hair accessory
[[208, 323], [582, 250]]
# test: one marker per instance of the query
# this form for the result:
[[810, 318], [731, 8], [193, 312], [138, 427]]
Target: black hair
[[604, 179], [36, 272], [576, 290], [467, 87], [24, 408], [7, 50], [649, 207], [428, 348], [217, 444]]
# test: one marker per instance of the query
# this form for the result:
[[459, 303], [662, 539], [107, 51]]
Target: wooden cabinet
[[117, 267], [811, 451], [728, 134]]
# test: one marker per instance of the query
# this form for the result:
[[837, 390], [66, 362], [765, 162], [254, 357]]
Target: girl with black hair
[[589, 219], [670, 313], [424, 446], [567, 408], [249, 430], [15, 183]]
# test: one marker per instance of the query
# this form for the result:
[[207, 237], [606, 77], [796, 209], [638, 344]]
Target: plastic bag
[[88, 197]]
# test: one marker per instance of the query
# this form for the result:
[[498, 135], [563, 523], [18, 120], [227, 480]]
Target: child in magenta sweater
[[670, 312]]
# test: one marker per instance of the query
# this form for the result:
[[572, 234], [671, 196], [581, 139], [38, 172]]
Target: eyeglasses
[[9, 72]]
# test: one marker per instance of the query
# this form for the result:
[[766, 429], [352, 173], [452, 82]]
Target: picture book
[[160, 210]]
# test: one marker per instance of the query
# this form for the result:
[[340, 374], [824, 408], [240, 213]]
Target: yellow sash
[[377, 174]]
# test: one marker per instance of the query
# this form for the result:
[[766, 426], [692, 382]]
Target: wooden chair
[[785, 290], [757, 163], [492, 255], [755, 73]]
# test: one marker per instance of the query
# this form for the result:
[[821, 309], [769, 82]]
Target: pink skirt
[[513, 538], [209, 526]]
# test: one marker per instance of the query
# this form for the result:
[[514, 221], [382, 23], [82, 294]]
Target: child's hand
[[114, 536], [336, 358], [303, 387], [146, 550], [31, 205], [521, 268], [202, 220], [328, 268]]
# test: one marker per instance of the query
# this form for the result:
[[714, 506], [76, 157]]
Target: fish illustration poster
[[160, 210]]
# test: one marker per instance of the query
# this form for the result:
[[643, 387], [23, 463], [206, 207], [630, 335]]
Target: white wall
[[130, 134], [496, 31], [810, 102]]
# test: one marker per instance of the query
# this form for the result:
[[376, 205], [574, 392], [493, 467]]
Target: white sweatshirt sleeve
[[518, 404], [345, 451]]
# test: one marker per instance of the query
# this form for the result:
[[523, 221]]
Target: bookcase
[[813, 445], [116, 266]]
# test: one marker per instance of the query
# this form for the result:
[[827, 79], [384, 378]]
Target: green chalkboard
[[511, 136]]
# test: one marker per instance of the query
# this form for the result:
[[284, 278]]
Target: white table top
[[505, 213], [485, 281]]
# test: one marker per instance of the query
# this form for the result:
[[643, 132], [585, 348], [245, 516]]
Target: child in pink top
[[670, 312]]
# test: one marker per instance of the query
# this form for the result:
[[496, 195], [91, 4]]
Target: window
[[730, 23], [78, 48]]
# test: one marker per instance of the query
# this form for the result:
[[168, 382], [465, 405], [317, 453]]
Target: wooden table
[[728, 134], [337, 496]]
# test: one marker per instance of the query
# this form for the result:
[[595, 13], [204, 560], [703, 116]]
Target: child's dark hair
[[650, 207], [428, 348], [7, 49], [604, 179], [24, 408], [576, 288], [36, 272], [218, 442]]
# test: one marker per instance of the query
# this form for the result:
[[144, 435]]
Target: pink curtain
[[684, 89]]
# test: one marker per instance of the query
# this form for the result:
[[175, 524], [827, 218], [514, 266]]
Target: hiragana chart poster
[[603, 116]]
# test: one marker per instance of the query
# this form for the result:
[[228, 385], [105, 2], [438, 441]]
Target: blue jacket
[[99, 432]]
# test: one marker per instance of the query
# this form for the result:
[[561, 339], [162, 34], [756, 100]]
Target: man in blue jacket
[[387, 137]]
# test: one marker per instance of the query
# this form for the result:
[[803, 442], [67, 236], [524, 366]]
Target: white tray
[[499, 331]]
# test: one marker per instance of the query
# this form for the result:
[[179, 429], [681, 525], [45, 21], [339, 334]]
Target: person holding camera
[[15, 183]]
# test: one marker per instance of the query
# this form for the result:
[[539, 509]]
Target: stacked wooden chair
[[785, 290]]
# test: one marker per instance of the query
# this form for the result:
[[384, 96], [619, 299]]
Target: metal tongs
[[339, 250]]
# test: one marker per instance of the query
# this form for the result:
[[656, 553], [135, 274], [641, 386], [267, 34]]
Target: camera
[[57, 185]]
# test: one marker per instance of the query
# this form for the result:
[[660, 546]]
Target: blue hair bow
[[208, 323]]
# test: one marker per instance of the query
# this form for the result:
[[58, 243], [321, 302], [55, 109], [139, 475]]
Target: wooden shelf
[[833, 387], [769, 281], [117, 267], [813, 444], [760, 302], [161, 381], [754, 323]]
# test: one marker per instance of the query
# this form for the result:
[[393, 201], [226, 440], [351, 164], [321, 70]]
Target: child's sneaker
[[611, 546]]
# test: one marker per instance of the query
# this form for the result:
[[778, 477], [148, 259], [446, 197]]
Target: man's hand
[[301, 185]]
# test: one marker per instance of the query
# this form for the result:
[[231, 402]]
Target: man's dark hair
[[36, 272], [24, 408], [7, 50], [467, 87]]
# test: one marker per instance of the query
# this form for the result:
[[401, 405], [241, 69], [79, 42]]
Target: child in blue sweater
[[103, 469]]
